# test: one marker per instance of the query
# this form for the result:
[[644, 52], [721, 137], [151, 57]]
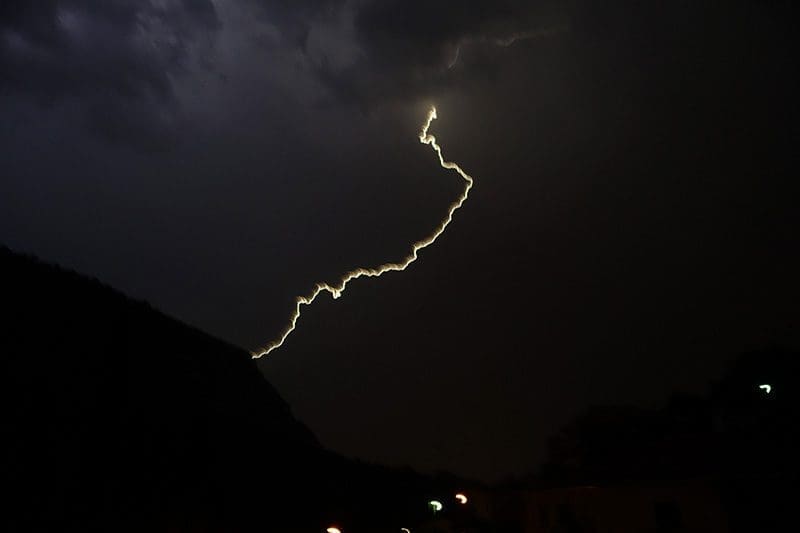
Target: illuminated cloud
[[115, 61], [505, 41]]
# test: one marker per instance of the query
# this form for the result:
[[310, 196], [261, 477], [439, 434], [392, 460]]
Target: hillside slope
[[118, 417]]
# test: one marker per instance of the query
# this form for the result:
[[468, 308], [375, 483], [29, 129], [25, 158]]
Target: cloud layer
[[114, 58]]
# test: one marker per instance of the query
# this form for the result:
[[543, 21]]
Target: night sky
[[632, 227]]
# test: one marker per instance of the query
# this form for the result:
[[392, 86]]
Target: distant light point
[[767, 388]]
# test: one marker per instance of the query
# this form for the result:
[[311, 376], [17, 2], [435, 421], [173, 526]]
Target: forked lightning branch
[[337, 289]]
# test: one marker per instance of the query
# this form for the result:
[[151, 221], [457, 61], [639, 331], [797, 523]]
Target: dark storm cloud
[[117, 62], [294, 19], [408, 45], [398, 50], [404, 47], [404, 33], [113, 58]]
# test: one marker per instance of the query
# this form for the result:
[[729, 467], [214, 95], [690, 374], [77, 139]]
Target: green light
[[435, 505]]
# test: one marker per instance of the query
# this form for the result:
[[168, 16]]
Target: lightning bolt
[[337, 289], [453, 61]]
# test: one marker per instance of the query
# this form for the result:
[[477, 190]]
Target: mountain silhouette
[[117, 417]]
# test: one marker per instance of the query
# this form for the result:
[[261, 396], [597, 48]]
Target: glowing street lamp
[[462, 499]]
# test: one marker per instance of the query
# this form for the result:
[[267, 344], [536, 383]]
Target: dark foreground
[[116, 417]]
